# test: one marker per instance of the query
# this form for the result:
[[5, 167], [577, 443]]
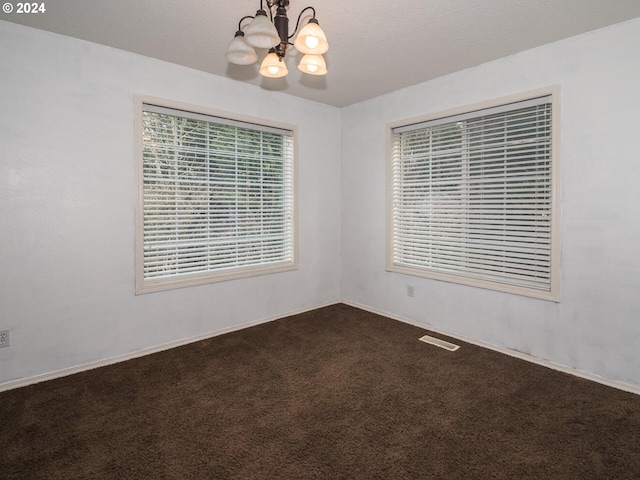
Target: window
[[216, 198], [473, 197]]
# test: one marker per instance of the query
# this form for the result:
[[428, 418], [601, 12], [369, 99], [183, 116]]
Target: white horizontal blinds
[[472, 196], [216, 196]]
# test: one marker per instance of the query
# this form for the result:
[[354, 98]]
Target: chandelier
[[272, 32]]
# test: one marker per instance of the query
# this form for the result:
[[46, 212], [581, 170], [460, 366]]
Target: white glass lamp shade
[[273, 66], [313, 65], [311, 39], [239, 52], [261, 33]]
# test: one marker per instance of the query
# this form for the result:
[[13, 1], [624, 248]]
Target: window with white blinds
[[216, 199], [472, 198]]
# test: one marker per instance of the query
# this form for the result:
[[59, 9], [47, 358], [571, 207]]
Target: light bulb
[[272, 70], [312, 68], [311, 41]]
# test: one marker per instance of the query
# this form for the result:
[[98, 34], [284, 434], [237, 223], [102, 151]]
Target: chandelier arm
[[241, 20], [270, 5], [295, 30]]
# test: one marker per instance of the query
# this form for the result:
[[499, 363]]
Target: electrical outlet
[[410, 290], [4, 338]]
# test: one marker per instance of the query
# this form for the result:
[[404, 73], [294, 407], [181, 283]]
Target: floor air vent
[[439, 343]]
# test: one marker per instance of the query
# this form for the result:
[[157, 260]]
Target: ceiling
[[377, 46]]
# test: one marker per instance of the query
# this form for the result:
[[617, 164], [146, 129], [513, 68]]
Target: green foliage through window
[[216, 197]]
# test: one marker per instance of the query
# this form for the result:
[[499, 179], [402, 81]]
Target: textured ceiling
[[377, 46]]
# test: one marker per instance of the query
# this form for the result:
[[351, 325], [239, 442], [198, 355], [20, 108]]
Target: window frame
[[143, 285], [553, 294]]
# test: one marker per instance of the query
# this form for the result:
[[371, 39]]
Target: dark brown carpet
[[337, 393]]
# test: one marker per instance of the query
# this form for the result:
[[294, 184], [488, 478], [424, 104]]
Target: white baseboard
[[23, 382], [513, 353]]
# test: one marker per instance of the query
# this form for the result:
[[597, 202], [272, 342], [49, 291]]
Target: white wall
[[596, 326], [67, 195]]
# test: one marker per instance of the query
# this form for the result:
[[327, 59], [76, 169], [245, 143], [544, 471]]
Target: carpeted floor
[[336, 393]]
